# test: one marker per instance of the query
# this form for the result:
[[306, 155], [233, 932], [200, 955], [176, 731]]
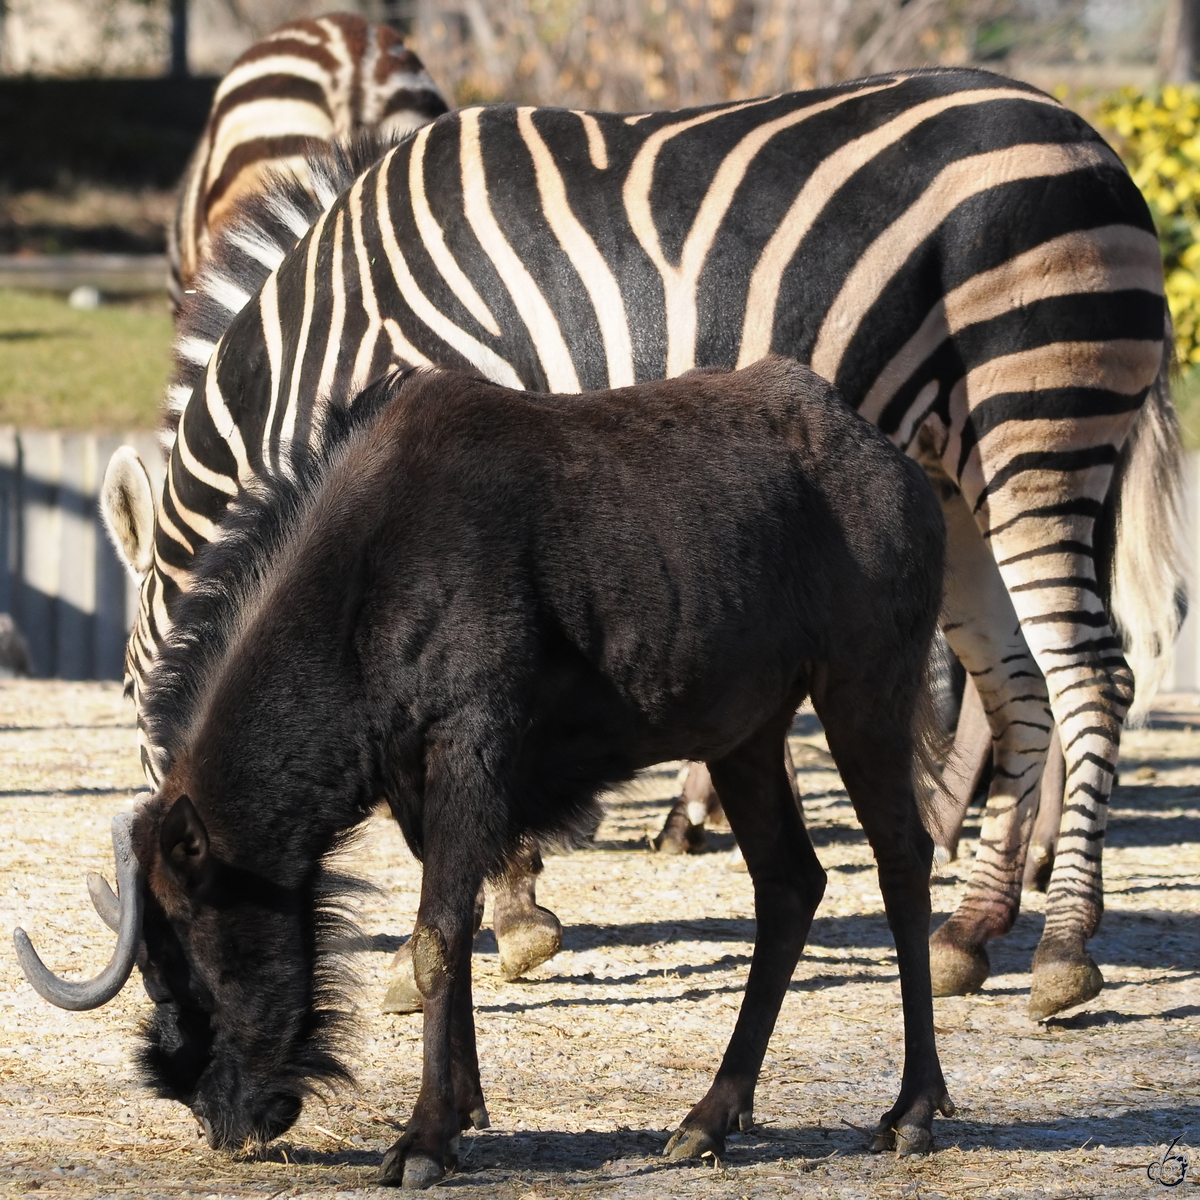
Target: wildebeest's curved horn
[[104, 901], [67, 993]]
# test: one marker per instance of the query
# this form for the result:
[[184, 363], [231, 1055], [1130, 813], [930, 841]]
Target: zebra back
[[251, 243], [310, 82], [960, 254]]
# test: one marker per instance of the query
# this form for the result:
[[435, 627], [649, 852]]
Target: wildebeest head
[[245, 1020]]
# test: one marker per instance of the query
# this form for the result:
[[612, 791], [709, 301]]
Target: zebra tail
[[1142, 529], [931, 744]]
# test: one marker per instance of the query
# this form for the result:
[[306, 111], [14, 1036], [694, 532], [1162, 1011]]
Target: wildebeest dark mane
[[230, 572], [262, 229]]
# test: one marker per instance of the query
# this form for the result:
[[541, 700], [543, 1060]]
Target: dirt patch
[[590, 1063]]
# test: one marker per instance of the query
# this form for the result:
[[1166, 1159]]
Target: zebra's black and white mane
[[231, 570], [264, 228]]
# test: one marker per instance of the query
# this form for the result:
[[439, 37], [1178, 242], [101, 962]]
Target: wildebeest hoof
[[529, 944], [691, 1143], [421, 1171], [679, 835], [904, 1139], [913, 1139], [1062, 982], [403, 995], [406, 1166], [479, 1117], [955, 970], [882, 1139]]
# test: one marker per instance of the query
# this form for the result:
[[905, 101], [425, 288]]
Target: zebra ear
[[127, 506]]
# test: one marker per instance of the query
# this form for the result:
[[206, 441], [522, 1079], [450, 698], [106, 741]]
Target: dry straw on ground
[[588, 1064]]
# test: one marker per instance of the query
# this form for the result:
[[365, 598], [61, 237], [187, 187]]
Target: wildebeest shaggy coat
[[485, 606]]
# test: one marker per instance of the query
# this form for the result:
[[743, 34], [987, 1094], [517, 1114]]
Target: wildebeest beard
[[212, 1047]]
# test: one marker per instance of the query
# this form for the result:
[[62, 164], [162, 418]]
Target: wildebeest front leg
[[526, 933], [788, 885], [450, 1097], [873, 751]]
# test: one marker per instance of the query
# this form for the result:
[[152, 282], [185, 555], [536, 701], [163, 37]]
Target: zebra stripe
[[307, 83], [962, 256]]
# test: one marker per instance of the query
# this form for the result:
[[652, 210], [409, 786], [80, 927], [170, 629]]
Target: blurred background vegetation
[[1126, 65]]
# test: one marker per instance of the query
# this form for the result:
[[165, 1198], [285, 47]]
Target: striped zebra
[[964, 257], [305, 84]]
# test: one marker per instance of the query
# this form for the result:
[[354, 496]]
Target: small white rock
[[84, 297]]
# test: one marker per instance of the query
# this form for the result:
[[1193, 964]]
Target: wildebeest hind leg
[[788, 885], [867, 734], [526, 933]]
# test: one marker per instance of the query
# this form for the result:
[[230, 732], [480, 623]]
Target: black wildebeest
[[484, 606]]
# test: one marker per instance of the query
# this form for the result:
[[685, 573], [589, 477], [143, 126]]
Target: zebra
[[965, 258], [309, 83], [306, 83]]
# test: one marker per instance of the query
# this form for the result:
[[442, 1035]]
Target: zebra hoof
[[402, 995], [955, 970], [1062, 982], [679, 835], [529, 944]]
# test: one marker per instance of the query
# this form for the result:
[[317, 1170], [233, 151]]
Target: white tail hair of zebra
[[1146, 589]]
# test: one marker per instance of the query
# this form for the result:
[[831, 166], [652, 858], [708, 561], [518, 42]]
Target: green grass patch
[[106, 370], [61, 368]]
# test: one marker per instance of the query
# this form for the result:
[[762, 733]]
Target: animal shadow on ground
[[1151, 824], [495, 1155]]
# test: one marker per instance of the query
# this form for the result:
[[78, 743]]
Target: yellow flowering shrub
[[1158, 136]]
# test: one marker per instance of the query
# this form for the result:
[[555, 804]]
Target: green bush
[[1157, 135]]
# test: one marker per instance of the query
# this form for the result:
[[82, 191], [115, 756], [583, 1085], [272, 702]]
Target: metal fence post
[[77, 558], [36, 610], [10, 472]]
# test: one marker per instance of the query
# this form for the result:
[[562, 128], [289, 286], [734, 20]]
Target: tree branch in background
[[1179, 49]]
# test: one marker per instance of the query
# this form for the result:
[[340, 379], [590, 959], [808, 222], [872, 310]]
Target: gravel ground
[[591, 1062]]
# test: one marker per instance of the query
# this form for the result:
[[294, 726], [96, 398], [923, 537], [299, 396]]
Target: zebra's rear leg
[[1041, 526], [1039, 863], [1092, 689], [981, 624]]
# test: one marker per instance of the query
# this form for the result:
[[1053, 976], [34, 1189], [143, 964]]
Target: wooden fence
[[111, 274], [59, 575], [73, 600]]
